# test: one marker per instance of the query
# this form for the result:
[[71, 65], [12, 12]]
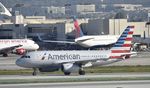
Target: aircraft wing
[[84, 63], [52, 41], [8, 49], [128, 55]]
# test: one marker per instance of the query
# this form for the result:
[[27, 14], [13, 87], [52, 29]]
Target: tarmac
[[99, 84]]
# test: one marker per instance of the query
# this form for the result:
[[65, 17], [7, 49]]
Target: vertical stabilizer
[[4, 10], [123, 44], [78, 30]]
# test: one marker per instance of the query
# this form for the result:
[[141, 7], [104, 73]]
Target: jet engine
[[20, 51], [70, 67]]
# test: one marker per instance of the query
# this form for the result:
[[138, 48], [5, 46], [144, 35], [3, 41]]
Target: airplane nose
[[20, 62]]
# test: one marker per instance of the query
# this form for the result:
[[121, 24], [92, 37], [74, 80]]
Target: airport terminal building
[[21, 27], [30, 26]]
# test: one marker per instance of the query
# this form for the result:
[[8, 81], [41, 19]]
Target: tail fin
[[78, 30], [4, 10], [123, 44]]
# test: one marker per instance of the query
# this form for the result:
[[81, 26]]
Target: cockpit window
[[25, 57]]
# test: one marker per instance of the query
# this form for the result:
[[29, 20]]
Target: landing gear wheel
[[67, 73], [34, 72], [81, 72], [5, 55]]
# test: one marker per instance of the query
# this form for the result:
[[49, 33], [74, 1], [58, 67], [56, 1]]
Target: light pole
[[114, 27], [148, 23]]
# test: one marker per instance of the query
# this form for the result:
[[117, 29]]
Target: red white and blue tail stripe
[[123, 45]]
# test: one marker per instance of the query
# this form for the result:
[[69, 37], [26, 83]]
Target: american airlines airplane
[[17, 46], [88, 40], [75, 61]]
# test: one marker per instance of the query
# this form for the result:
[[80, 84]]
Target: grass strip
[[102, 69], [116, 69]]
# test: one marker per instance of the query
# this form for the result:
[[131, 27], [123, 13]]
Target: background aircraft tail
[[78, 30], [4, 10], [122, 48]]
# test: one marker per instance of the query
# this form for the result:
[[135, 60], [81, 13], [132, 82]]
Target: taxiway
[[99, 84]]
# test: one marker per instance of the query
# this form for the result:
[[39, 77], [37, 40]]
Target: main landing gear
[[81, 71], [5, 55], [67, 73], [35, 71]]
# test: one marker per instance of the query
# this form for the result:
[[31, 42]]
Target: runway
[[98, 75], [143, 58], [100, 84]]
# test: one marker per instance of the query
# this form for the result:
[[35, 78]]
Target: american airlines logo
[[43, 56], [64, 57]]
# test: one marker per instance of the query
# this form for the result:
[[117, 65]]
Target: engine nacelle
[[20, 51], [49, 69], [70, 67]]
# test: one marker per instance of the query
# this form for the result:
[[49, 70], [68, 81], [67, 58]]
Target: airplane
[[17, 46], [76, 60], [87, 41], [4, 11]]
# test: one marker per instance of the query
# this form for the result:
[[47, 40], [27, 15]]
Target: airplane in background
[[4, 10], [17, 46], [87, 40], [76, 60]]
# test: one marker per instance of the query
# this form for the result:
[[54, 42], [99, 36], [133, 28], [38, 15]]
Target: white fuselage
[[71, 61], [25, 44], [47, 58], [102, 40]]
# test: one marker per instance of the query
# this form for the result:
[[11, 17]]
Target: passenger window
[[25, 57]]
